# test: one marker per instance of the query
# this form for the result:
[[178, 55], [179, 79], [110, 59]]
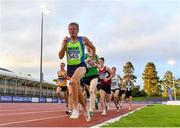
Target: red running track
[[50, 115]]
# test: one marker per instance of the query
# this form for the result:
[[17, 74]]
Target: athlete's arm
[[119, 82], [97, 65], [88, 43], [68, 78], [63, 47], [111, 74], [57, 78], [65, 76], [87, 60], [97, 59]]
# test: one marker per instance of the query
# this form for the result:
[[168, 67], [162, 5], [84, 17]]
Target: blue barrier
[[18, 99], [6, 98], [27, 99], [42, 99], [54, 100]]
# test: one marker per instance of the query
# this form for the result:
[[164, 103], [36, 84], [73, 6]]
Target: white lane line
[[26, 109], [32, 120], [23, 113], [115, 119]]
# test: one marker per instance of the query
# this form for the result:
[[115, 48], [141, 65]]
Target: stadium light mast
[[44, 11], [174, 88], [172, 63]]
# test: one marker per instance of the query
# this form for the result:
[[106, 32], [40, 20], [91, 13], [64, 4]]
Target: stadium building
[[20, 88]]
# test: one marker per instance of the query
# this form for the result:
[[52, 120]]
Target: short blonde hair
[[74, 23]]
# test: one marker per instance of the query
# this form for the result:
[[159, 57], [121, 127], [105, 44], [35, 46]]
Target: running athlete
[[74, 47], [115, 87], [91, 78], [104, 85], [62, 84], [122, 93], [129, 86]]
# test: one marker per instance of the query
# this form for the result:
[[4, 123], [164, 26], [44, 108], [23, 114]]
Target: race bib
[[74, 54], [114, 83], [61, 79], [102, 75], [88, 63], [128, 88]]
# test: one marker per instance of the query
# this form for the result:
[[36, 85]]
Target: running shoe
[[75, 114], [91, 113], [103, 113], [117, 108], [69, 112], [108, 106], [87, 116]]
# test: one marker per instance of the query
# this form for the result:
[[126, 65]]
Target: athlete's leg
[[92, 90], [130, 102], [97, 97], [81, 97], [111, 97], [75, 79], [70, 100], [122, 99], [115, 99], [66, 98], [83, 91], [58, 90], [82, 101], [102, 101], [108, 100]]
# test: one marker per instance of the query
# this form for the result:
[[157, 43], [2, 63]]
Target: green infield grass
[[151, 116]]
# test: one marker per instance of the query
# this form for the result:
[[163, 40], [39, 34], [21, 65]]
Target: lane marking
[[7, 114], [32, 120], [26, 109]]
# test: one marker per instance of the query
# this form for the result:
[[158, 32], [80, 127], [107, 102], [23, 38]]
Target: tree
[[128, 70], [177, 83], [167, 81], [150, 79]]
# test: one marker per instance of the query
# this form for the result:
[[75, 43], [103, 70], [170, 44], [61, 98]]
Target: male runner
[[129, 86], [91, 78], [115, 86], [104, 85], [62, 84], [74, 46]]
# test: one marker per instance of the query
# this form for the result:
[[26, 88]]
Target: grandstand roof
[[11, 75], [3, 69]]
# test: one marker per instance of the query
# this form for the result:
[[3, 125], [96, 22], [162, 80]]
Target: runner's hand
[[105, 79], [65, 41], [91, 62]]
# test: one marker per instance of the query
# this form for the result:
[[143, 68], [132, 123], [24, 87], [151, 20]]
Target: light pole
[[44, 10], [174, 88], [173, 62]]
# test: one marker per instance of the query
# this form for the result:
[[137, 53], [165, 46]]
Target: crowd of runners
[[89, 78]]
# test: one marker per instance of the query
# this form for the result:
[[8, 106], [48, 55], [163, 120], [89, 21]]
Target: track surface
[[50, 115]]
